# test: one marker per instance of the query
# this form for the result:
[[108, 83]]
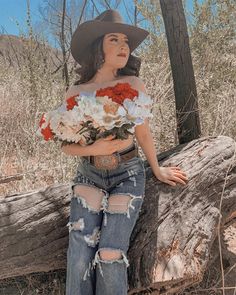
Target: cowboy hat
[[110, 21]]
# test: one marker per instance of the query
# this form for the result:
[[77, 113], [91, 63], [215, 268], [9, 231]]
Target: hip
[[106, 179]]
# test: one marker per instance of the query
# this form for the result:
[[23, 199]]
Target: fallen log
[[172, 242]]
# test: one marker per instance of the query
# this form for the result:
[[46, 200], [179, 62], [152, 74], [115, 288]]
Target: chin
[[120, 66]]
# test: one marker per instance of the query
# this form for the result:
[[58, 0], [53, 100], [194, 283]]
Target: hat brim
[[89, 31]]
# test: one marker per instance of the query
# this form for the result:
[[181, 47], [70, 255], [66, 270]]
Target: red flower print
[[71, 102], [42, 120], [47, 133], [118, 93]]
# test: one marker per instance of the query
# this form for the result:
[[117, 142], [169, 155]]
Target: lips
[[122, 54]]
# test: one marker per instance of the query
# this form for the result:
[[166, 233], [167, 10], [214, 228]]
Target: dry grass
[[52, 283]]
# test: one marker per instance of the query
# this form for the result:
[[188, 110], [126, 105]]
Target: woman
[[108, 190]]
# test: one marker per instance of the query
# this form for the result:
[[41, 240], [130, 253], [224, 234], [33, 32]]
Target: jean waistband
[[121, 156], [127, 149]]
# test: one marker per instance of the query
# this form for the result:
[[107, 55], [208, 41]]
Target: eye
[[127, 42]]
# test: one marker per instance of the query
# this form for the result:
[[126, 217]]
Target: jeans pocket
[[83, 161], [134, 164]]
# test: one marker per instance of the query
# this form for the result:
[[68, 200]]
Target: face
[[113, 45]]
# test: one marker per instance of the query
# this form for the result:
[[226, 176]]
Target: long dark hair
[[95, 59]]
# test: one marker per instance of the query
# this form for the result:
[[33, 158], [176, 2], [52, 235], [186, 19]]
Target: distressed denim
[[90, 230]]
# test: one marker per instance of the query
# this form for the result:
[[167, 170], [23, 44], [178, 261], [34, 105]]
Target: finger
[[116, 141], [175, 168], [172, 183], [178, 170], [178, 180], [109, 137], [180, 175]]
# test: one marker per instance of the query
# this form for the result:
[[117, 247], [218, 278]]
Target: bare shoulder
[[137, 83], [72, 90]]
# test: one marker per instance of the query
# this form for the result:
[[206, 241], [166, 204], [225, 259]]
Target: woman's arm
[[170, 175], [143, 133], [145, 140]]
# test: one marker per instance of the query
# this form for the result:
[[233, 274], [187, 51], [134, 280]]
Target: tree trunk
[[173, 241], [188, 123]]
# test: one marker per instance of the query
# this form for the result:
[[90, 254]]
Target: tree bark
[[188, 123], [173, 241]]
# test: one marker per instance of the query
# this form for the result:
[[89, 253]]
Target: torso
[[91, 87]]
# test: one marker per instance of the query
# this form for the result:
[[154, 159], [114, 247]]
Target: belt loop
[[118, 156]]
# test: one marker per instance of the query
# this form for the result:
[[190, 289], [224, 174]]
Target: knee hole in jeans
[[110, 254], [92, 195], [118, 203]]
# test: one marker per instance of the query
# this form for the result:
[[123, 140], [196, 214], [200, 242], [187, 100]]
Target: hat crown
[[110, 15], [109, 21]]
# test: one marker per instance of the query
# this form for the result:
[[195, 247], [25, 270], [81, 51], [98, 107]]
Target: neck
[[105, 74]]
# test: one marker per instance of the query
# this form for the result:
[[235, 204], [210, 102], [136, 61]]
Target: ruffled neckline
[[94, 92]]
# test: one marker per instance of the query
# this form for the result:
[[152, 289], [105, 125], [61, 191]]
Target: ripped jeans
[[104, 208]]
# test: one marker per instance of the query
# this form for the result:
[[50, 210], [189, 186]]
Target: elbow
[[64, 149]]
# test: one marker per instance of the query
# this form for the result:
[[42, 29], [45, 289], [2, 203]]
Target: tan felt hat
[[110, 21]]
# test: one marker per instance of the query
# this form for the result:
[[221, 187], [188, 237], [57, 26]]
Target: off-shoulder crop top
[[119, 92], [94, 91]]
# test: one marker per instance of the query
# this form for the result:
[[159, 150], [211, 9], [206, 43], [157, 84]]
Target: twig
[[19, 176]]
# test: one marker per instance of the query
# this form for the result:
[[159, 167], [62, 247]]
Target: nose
[[124, 45]]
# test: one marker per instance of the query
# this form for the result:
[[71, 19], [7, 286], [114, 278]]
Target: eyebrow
[[116, 36]]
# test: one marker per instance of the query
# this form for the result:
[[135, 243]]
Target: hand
[[171, 175], [106, 146]]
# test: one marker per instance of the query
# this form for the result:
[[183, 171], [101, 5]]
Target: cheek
[[110, 52]]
